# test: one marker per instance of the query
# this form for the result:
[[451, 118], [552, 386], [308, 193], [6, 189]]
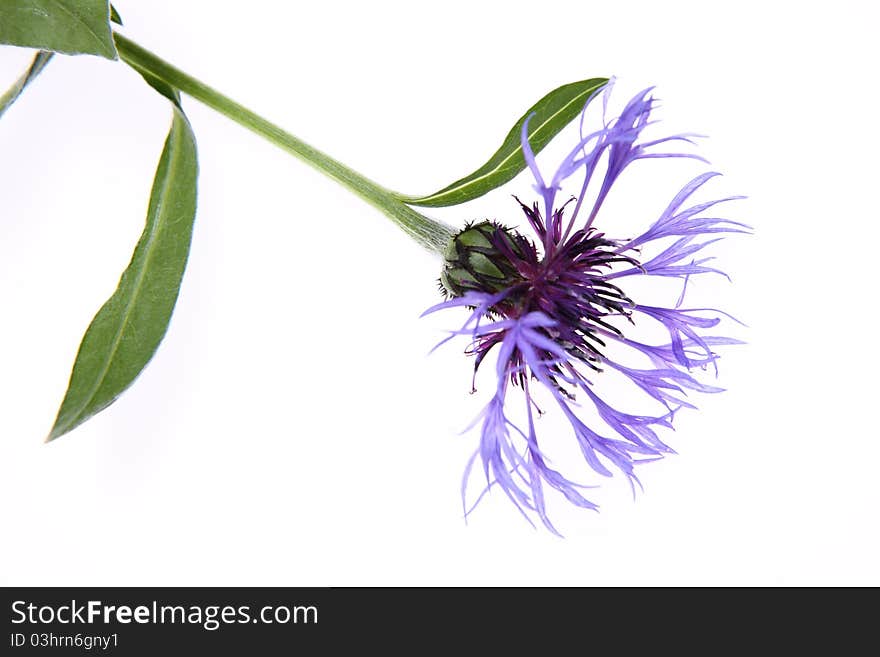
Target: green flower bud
[[473, 261]]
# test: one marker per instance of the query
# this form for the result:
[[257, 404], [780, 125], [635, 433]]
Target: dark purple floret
[[549, 310]]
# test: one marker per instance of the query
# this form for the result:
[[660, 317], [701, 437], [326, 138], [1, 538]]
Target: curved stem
[[431, 234]]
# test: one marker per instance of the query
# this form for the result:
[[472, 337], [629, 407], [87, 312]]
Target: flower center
[[570, 286]]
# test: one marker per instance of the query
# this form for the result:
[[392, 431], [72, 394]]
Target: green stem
[[429, 233]]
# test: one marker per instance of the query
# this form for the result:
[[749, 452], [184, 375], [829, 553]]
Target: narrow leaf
[[114, 15], [66, 26], [126, 332], [40, 60], [552, 113]]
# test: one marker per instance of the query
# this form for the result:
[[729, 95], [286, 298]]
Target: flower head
[[551, 307]]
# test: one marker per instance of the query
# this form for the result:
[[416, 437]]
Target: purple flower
[[554, 313]]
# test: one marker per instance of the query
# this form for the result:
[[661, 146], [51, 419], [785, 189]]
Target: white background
[[292, 429]]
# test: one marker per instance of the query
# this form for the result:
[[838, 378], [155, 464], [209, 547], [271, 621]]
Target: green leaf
[[40, 60], [114, 15], [126, 332], [552, 113], [66, 26]]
